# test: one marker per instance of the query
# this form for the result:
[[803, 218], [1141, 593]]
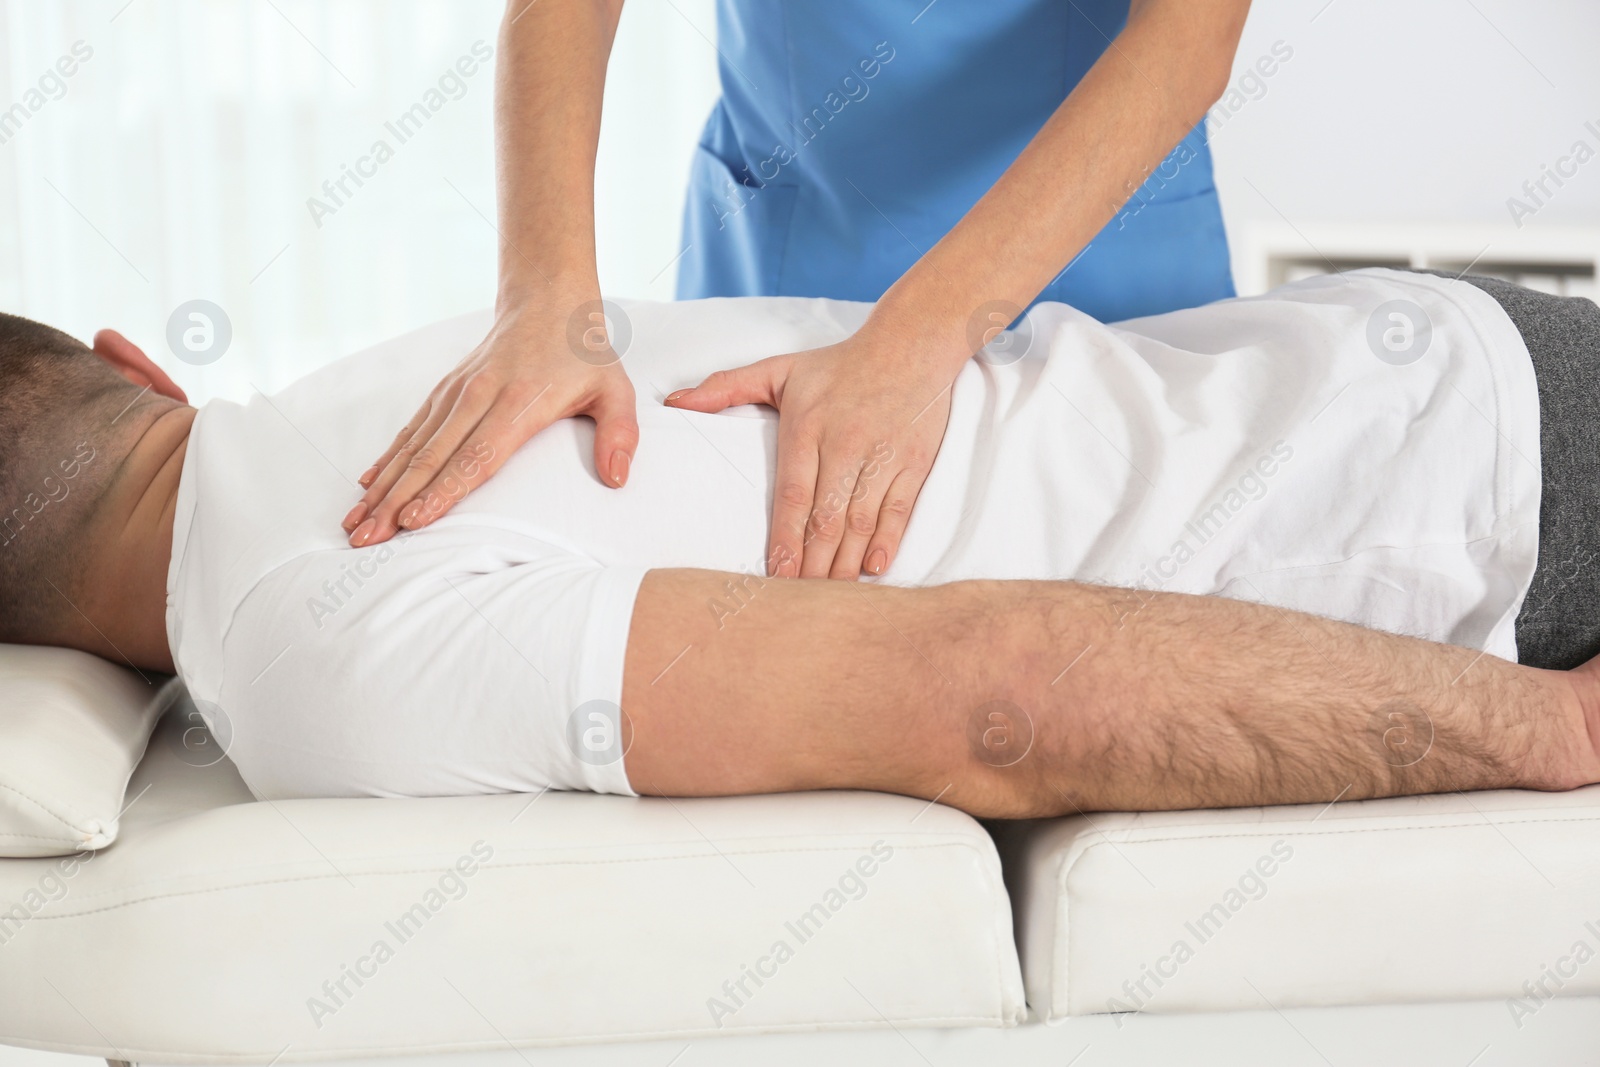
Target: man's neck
[[121, 615]]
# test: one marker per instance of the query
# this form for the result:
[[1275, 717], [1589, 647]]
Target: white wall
[[179, 160], [661, 85], [1413, 111]]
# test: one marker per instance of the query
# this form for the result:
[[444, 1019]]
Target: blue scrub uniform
[[853, 134]]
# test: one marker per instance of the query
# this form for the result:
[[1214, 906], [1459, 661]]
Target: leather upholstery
[[208, 931], [1438, 898]]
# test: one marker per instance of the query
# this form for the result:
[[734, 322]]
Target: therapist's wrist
[[538, 300], [912, 331]]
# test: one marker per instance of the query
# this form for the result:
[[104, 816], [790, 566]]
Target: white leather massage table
[[598, 928]]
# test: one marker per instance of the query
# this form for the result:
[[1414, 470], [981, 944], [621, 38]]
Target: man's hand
[[859, 427], [535, 367]]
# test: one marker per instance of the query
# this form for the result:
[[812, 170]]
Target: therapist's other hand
[[859, 426], [524, 376]]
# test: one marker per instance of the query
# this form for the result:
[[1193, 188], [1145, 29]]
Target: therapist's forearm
[[1149, 89], [549, 82]]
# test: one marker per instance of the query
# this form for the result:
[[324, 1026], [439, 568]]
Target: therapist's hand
[[533, 369], [860, 423]]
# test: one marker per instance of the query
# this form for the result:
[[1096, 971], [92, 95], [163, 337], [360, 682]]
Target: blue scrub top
[[853, 134]]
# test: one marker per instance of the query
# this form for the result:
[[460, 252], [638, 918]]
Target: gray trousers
[[1559, 625]]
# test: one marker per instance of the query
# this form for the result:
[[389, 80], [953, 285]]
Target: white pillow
[[72, 729]]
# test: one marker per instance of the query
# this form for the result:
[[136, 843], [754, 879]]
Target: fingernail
[[782, 564], [619, 467], [366, 479], [877, 559], [364, 533], [679, 395], [409, 516], [356, 514]]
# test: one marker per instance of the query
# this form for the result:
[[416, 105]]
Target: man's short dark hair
[[59, 444]]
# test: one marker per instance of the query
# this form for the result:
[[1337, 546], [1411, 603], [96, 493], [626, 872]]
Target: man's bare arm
[[1018, 699]]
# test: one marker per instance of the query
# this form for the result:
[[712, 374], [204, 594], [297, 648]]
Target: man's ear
[[128, 360]]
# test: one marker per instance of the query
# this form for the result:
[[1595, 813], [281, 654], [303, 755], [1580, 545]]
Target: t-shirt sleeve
[[465, 661]]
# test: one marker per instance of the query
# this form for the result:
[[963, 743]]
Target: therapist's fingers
[[407, 431], [372, 480], [511, 421], [836, 481], [419, 461], [383, 475], [795, 482], [760, 382], [513, 418], [860, 520], [616, 430], [472, 465], [894, 513], [485, 451]]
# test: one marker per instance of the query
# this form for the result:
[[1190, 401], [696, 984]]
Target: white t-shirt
[[1255, 448]]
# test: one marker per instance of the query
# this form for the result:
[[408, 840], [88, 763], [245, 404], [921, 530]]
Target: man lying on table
[[1271, 550]]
